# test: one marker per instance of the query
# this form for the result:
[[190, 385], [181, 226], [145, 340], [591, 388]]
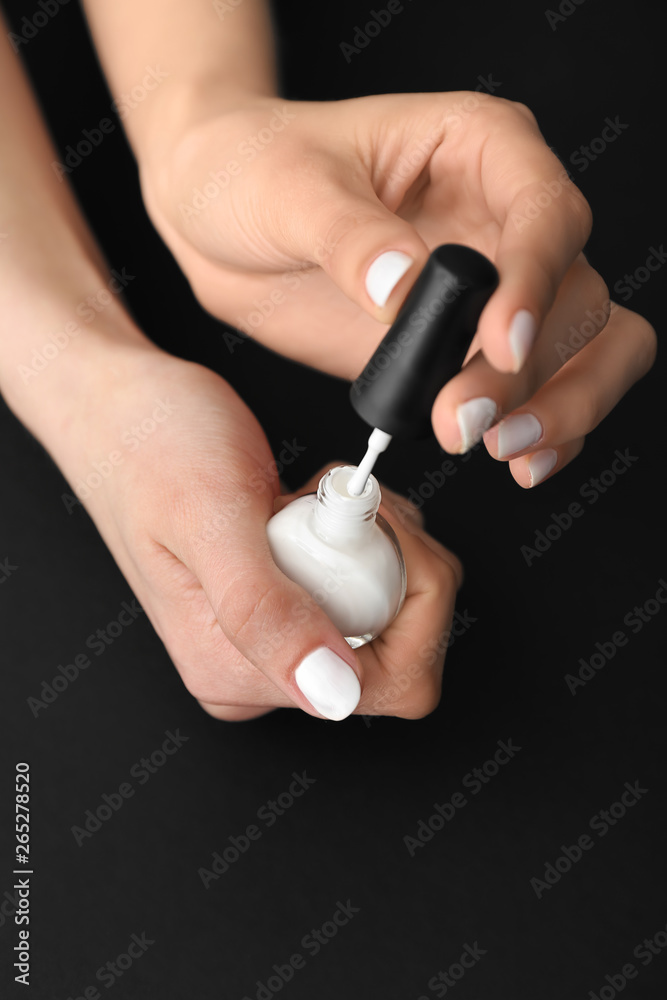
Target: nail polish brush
[[422, 350]]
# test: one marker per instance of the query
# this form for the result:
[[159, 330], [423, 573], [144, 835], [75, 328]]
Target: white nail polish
[[384, 274], [474, 418], [518, 433], [336, 546], [541, 464], [329, 683], [522, 331]]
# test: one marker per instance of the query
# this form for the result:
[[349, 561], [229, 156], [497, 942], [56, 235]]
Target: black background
[[504, 678]]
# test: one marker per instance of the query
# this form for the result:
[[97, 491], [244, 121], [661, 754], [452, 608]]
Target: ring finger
[[548, 431]]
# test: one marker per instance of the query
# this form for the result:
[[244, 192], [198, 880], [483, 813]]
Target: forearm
[[208, 54], [53, 343]]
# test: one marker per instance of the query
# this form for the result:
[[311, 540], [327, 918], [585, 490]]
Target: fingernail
[[541, 464], [329, 683], [518, 433], [474, 417], [384, 274], [521, 336]]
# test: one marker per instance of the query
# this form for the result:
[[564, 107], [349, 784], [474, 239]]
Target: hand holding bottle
[[185, 514]]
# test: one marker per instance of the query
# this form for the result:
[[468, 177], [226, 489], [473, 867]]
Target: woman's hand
[[190, 485], [306, 224]]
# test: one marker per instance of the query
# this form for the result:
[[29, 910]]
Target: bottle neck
[[340, 517]]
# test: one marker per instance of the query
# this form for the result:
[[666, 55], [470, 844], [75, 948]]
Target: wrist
[[59, 355], [179, 108]]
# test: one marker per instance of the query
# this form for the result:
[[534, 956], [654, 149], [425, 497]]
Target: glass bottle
[[339, 549]]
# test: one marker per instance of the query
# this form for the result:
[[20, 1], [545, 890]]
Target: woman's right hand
[[181, 483], [314, 241]]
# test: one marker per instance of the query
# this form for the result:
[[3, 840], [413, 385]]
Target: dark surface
[[344, 838]]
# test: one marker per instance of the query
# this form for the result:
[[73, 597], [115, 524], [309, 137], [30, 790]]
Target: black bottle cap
[[427, 342]]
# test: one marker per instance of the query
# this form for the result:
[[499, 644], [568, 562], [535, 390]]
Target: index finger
[[545, 223]]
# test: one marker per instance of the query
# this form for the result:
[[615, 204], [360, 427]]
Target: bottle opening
[[341, 514], [340, 479]]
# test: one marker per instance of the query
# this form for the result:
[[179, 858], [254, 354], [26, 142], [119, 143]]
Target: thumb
[[273, 622], [371, 254]]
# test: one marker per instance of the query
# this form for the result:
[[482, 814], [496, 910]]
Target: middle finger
[[480, 395]]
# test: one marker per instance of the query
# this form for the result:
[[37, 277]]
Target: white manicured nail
[[518, 433], [541, 464], [384, 274], [521, 336], [329, 683], [474, 418]]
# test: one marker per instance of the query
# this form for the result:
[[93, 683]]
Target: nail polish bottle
[[339, 549]]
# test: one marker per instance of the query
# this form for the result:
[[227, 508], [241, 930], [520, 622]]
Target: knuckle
[[598, 290], [457, 569], [422, 699], [197, 654], [416, 516], [196, 681], [196, 685], [646, 346], [414, 689], [523, 111], [232, 713], [546, 279], [249, 610], [344, 223], [217, 675], [591, 411], [204, 292], [447, 574], [580, 211]]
